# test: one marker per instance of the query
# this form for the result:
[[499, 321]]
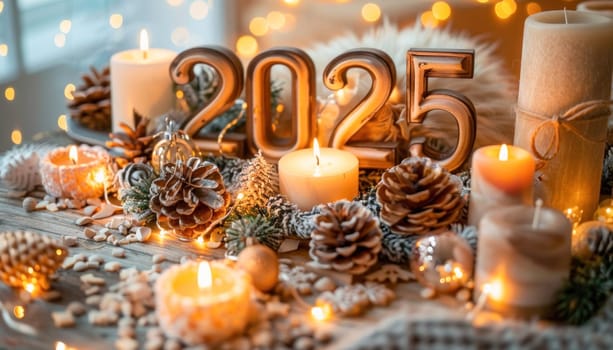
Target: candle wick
[[317, 160], [537, 214], [565, 16], [145, 54]]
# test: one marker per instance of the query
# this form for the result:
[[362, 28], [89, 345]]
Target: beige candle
[[566, 61], [311, 176], [521, 265], [140, 81], [501, 176], [75, 172], [203, 303]]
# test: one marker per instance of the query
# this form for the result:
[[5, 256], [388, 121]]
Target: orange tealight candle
[[75, 172], [501, 175], [203, 302]]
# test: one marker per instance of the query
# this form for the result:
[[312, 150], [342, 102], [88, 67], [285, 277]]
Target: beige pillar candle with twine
[[563, 105]]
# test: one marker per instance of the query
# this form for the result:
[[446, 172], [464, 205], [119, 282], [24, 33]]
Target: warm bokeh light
[[483, 1], [428, 20], [1, 6], [493, 290], [60, 346], [258, 26], [200, 240], [30, 287], [4, 49], [321, 312], [179, 94], [505, 8], [61, 122], [247, 46], [116, 21], [180, 36], [198, 9], [174, 2], [371, 12], [9, 93], [65, 26], [276, 20], [100, 176], [441, 10], [532, 8], [59, 40], [19, 312], [68, 90], [291, 2]]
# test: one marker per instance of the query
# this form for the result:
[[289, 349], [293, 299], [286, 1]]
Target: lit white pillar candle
[[501, 176], [140, 81], [522, 261], [312, 176]]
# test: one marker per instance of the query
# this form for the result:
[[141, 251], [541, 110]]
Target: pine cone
[[29, 258], [189, 197], [91, 103], [134, 145], [418, 197], [251, 230], [346, 238]]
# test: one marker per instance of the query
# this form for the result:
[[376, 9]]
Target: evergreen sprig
[[252, 229], [587, 290], [135, 200]]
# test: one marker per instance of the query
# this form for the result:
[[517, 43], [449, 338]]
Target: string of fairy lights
[[282, 20]]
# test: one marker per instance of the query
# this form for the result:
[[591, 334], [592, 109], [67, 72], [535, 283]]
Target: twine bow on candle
[[583, 110]]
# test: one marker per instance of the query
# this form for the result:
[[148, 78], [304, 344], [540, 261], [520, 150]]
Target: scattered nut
[[93, 280], [84, 220], [76, 308], [126, 344], [158, 258], [112, 266], [63, 319], [89, 232], [89, 210], [325, 284], [69, 241], [213, 245], [143, 233], [80, 266], [94, 202], [99, 238], [29, 204], [118, 252], [52, 207]]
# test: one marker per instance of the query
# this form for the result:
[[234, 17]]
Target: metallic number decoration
[[424, 64], [259, 114], [382, 71], [230, 71]]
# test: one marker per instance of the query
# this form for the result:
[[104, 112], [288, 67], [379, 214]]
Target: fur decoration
[[491, 89], [19, 169]]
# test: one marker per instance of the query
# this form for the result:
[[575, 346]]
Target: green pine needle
[[257, 228], [135, 201]]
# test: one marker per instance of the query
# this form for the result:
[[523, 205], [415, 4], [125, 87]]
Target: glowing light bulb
[[427, 20], [68, 90], [275, 20], [247, 46], [4, 49], [19, 312], [321, 312], [59, 40], [116, 21], [441, 10], [9, 93], [16, 136], [532, 8], [371, 12], [65, 26], [258, 26]]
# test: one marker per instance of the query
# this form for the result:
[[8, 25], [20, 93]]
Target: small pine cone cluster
[[346, 238], [250, 230], [188, 197], [418, 197], [91, 103], [29, 258], [133, 144]]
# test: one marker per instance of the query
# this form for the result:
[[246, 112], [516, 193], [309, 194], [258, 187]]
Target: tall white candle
[[140, 81], [567, 59]]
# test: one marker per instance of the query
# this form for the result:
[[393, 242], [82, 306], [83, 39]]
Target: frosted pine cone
[[418, 197], [29, 258], [134, 145], [346, 238], [189, 197]]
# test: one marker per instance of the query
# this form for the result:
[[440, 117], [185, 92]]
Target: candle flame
[[205, 278], [73, 154], [503, 155], [100, 176], [493, 290], [144, 43]]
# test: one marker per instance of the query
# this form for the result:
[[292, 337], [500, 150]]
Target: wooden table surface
[[347, 332]]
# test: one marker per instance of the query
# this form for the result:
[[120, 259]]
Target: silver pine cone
[[346, 237]]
